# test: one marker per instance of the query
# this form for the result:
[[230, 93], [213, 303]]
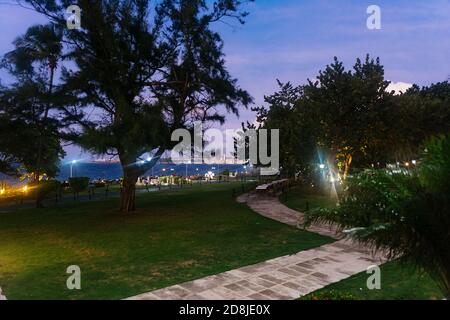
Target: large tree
[[349, 116], [41, 45], [418, 114], [27, 103], [286, 110], [352, 111], [22, 126], [142, 70]]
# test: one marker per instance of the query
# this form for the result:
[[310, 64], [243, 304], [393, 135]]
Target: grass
[[302, 199], [398, 282], [175, 236]]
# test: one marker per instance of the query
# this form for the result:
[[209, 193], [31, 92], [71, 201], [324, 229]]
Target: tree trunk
[[39, 199], [127, 196], [348, 163], [131, 173]]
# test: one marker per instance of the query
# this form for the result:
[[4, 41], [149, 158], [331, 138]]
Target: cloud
[[398, 87]]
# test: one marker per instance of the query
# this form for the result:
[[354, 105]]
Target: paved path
[[282, 278], [270, 207]]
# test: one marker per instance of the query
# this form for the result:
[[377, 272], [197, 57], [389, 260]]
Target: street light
[[322, 166], [71, 167]]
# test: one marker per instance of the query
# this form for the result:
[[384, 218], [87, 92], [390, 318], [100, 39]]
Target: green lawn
[[398, 282], [175, 236], [302, 198]]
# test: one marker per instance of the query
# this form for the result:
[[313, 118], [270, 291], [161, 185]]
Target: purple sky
[[291, 40]]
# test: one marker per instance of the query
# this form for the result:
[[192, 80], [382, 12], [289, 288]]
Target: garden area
[[175, 236], [400, 280]]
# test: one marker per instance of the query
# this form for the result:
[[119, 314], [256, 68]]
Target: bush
[[45, 188], [49, 187], [79, 184]]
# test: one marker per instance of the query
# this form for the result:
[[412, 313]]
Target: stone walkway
[[282, 278], [270, 207]]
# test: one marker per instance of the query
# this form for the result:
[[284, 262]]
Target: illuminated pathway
[[282, 278]]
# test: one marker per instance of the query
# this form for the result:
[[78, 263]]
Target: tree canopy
[[136, 71], [348, 119]]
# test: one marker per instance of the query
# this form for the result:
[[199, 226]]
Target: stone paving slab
[[284, 278]]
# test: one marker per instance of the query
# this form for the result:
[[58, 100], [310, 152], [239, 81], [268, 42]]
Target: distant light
[[2, 191], [196, 169], [414, 162], [149, 159], [172, 169], [142, 162], [322, 166], [332, 180], [407, 164], [25, 188], [164, 169], [74, 161]]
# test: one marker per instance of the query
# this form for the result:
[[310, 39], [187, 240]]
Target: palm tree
[[407, 216], [41, 44]]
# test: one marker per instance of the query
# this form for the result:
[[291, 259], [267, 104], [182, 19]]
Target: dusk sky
[[292, 40]]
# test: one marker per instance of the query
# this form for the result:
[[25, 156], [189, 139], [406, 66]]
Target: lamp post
[[71, 167]]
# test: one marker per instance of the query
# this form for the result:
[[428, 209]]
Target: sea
[[113, 170]]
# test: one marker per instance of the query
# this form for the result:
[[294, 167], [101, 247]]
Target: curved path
[[283, 278], [270, 207]]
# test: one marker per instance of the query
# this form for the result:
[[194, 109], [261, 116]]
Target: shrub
[[49, 187], [79, 184], [44, 188]]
